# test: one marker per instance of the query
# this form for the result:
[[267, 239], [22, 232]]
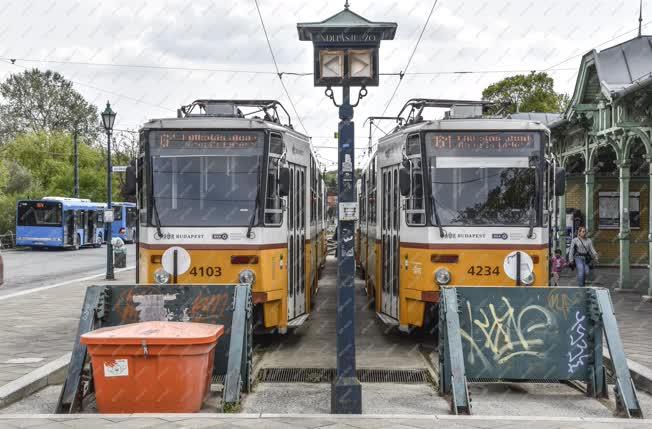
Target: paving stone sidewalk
[[40, 327]]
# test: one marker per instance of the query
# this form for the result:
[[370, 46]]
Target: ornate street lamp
[[346, 54], [108, 118]]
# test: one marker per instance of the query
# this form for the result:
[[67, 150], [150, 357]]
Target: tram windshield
[[484, 178], [205, 190]]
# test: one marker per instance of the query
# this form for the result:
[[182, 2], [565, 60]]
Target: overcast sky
[[463, 35]]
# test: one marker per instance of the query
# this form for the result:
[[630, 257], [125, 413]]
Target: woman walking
[[581, 254]]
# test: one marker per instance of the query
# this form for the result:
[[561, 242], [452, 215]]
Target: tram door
[[296, 242], [390, 261]]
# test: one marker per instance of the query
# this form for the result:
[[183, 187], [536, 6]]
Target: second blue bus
[[125, 215]]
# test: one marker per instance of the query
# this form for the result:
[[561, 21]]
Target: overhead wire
[[250, 71], [409, 61], [278, 72], [597, 46], [117, 94]]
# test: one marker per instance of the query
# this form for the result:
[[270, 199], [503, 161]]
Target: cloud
[[226, 34]]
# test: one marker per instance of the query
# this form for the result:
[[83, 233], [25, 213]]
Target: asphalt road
[[27, 269]]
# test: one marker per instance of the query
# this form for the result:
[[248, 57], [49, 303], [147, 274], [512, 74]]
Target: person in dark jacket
[[582, 254]]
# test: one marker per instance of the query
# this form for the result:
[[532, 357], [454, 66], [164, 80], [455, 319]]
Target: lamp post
[[346, 54], [108, 118]]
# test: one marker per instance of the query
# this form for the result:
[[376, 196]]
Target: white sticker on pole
[[348, 211], [116, 368], [527, 265], [108, 215], [183, 260]]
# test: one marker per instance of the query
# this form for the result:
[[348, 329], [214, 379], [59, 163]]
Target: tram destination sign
[[485, 142], [201, 139]]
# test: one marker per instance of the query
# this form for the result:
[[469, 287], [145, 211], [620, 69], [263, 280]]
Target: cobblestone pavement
[[273, 421], [40, 327]]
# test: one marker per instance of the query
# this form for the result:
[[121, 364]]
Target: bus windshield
[[38, 213], [484, 178], [207, 190]]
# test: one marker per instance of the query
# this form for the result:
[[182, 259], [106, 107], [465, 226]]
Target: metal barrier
[[109, 305], [523, 334]]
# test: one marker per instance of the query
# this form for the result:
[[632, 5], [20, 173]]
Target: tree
[[36, 101], [35, 165], [526, 93]]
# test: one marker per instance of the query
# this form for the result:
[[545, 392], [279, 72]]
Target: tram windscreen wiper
[[437, 221], [156, 218], [533, 220], [253, 215]]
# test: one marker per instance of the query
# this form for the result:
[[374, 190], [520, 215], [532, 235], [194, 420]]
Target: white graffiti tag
[[578, 345]]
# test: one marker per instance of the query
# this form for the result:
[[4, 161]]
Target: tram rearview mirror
[[560, 181], [404, 181], [284, 182]]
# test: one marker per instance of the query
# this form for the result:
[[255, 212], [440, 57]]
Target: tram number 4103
[[206, 271], [483, 270]]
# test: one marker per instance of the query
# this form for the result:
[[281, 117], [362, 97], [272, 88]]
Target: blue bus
[[125, 215], [59, 222]]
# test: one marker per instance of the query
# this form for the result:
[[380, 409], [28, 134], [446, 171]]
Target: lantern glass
[[331, 64], [360, 63], [108, 117]]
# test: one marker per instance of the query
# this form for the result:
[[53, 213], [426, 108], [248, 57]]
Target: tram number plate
[[483, 270], [206, 271]]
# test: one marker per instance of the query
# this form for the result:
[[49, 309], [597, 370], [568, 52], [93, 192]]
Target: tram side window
[[415, 214], [273, 208], [372, 193]]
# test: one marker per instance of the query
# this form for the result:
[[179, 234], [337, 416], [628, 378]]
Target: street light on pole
[[346, 54], [108, 118]]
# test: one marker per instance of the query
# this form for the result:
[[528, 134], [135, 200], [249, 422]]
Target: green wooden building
[[604, 140]]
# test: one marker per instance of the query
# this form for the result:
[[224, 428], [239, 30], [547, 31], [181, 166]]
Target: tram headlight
[[528, 279], [161, 276], [442, 276], [247, 276]]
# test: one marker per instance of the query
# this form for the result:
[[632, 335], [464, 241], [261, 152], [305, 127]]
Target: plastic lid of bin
[[164, 333]]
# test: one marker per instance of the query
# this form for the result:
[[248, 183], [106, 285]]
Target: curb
[[641, 375], [51, 373]]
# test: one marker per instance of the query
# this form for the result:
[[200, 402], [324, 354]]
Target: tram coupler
[[229, 305]]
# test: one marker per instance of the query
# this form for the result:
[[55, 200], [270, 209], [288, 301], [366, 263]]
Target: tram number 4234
[[483, 270], [206, 271]]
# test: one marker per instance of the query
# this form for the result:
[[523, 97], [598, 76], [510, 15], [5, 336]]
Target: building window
[[610, 207]]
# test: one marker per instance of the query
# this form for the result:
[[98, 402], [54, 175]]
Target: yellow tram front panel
[[468, 266], [220, 265]]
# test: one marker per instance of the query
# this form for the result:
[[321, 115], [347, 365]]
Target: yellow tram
[[229, 194], [459, 201]]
